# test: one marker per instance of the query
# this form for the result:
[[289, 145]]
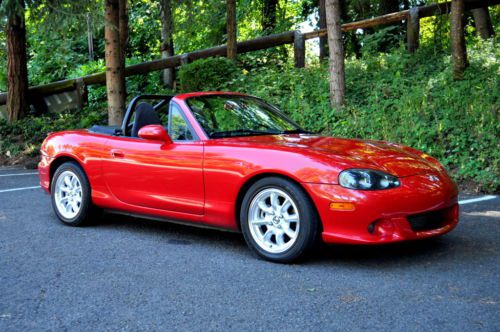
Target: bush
[[207, 74], [403, 98]]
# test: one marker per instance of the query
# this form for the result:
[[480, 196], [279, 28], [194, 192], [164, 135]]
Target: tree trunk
[[17, 71], [115, 78], [167, 46], [231, 29], [337, 79], [123, 30], [482, 21], [458, 51], [269, 16], [323, 42]]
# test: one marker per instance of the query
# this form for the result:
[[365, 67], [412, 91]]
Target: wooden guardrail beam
[[424, 11], [154, 65]]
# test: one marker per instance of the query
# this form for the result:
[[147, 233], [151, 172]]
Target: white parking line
[[18, 174], [474, 200], [17, 189]]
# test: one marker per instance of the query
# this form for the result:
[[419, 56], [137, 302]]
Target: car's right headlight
[[367, 179]]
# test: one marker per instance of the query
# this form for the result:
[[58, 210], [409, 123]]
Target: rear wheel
[[70, 191], [278, 220]]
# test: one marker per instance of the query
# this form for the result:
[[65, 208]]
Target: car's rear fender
[[86, 149]]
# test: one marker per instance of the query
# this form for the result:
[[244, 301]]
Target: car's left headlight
[[367, 179]]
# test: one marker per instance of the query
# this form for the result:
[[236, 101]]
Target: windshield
[[230, 116]]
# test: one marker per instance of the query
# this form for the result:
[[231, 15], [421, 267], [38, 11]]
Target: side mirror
[[155, 133]]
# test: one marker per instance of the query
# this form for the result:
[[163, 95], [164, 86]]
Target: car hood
[[391, 158]]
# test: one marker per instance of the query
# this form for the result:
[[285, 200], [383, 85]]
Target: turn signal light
[[342, 206]]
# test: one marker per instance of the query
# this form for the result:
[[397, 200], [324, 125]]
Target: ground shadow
[[174, 233], [414, 253]]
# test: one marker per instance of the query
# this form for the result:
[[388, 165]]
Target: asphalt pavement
[[132, 274]]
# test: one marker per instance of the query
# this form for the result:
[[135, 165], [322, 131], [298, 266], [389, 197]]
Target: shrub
[[404, 98], [207, 74]]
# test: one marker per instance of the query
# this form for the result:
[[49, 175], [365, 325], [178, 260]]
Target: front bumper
[[423, 206], [44, 172]]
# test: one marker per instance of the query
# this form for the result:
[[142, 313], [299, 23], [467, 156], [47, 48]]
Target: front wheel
[[70, 193], [278, 220]]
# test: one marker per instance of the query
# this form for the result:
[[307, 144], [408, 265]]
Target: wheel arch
[[256, 177], [58, 161]]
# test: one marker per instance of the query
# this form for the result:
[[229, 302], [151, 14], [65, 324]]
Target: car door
[[158, 175]]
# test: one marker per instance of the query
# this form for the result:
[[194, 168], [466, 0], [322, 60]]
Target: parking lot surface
[[132, 274]]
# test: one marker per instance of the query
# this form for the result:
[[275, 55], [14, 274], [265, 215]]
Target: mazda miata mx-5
[[232, 161]]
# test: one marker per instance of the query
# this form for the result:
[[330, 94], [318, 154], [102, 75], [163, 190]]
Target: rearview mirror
[[155, 133]]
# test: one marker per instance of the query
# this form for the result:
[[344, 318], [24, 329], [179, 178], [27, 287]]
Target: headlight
[[367, 179]]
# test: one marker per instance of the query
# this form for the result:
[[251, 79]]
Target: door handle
[[117, 154]]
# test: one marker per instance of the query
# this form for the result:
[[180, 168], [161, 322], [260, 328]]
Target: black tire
[[87, 213], [309, 221]]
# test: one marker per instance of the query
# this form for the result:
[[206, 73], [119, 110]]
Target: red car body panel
[[203, 181]]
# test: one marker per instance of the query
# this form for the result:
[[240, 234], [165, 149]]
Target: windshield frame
[[273, 109]]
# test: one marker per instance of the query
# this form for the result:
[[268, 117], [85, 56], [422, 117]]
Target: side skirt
[[173, 221]]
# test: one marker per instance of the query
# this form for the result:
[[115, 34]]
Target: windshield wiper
[[243, 132], [296, 131]]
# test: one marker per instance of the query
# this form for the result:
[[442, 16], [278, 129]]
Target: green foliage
[[56, 34], [388, 35], [398, 97], [207, 74], [26, 135]]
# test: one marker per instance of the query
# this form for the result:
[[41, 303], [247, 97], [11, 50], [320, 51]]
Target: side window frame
[[174, 106]]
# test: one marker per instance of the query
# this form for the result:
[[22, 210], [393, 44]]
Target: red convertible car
[[232, 161]]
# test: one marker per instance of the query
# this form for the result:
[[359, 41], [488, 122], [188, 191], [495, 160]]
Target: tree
[[482, 22], [323, 52], [167, 40], [458, 50], [123, 30], [231, 29], [17, 70], [337, 75], [269, 15], [115, 58]]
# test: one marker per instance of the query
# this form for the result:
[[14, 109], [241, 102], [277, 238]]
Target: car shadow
[[174, 233], [416, 252], [386, 254]]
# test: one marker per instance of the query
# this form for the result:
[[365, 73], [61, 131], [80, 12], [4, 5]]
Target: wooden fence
[[411, 16]]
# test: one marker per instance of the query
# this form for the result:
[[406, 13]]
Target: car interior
[[146, 110]]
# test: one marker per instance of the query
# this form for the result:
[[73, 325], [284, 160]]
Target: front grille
[[430, 220]]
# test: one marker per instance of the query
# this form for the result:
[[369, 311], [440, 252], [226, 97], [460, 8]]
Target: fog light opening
[[381, 227]]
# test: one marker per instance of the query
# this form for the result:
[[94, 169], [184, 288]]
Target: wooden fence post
[[299, 49], [412, 29], [81, 93]]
